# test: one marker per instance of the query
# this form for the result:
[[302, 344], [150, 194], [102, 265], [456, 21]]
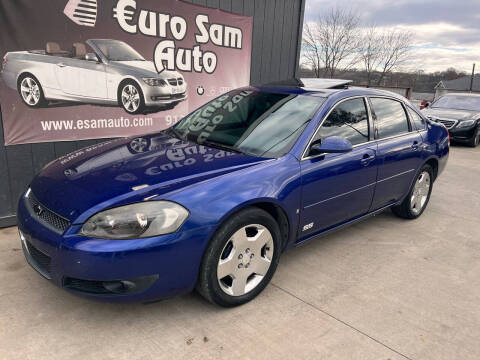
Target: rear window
[[416, 119], [391, 118]]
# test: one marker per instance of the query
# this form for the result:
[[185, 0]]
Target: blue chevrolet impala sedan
[[212, 202]]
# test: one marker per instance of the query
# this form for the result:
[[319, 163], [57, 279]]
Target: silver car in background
[[113, 74]]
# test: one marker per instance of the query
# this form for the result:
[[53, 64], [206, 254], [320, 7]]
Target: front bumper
[[462, 134], [158, 268], [164, 95]]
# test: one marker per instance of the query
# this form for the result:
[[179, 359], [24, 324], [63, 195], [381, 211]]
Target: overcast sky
[[446, 32]]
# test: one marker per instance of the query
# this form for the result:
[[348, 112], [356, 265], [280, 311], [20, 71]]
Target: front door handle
[[415, 145], [367, 159], [61, 65]]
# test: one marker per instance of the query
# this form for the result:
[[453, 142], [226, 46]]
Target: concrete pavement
[[385, 288]]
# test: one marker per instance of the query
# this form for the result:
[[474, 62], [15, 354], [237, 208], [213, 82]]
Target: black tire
[[405, 210], [475, 140], [41, 102], [131, 108], [208, 284]]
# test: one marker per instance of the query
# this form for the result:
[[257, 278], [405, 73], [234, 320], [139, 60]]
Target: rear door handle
[[61, 65], [367, 158], [415, 145]]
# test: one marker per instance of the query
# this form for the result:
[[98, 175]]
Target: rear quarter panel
[[40, 66]]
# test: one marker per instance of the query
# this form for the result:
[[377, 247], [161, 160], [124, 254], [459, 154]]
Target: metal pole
[[471, 79]]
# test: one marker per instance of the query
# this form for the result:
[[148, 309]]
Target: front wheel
[[475, 140], [31, 91], [417, 199], [241, 258], [131, 97]]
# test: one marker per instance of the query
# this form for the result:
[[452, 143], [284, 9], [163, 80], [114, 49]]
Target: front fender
[[274, 182]]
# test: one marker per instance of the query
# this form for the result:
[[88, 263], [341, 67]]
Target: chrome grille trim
[[449, 123]]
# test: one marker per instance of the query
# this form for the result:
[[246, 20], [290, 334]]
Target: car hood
[[126, 168], [145, 68], [460, 115]]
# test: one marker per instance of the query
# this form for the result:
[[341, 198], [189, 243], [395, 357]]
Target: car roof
[[325, 88]]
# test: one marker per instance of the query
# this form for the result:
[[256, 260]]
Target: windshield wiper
[[221, 146], [174, 132]]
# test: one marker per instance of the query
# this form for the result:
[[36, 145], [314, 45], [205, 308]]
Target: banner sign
[[83, 69]]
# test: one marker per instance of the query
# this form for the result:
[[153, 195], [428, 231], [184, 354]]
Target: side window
[[349, 120], [417, 119], [391, 118]]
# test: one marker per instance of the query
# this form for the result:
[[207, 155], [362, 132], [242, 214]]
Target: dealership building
[[274, 27]]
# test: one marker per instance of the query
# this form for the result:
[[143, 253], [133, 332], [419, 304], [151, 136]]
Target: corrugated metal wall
[[275, 48]]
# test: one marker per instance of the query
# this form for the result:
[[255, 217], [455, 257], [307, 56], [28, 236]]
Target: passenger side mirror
[[91, 57], [332, 144]]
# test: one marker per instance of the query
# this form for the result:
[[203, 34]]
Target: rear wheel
[[241, 258], [31, 91], [475, 140], [417, 199], [131, 97]]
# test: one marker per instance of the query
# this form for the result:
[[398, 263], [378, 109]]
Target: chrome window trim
[[367, 105]]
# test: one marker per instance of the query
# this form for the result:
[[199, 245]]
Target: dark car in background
[[460, 113]]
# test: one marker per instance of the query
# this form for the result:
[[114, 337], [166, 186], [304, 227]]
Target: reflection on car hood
[[451, 114], [147, 68], [88, 177]]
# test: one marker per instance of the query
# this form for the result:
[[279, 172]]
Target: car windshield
[[458, 102], [258, 123], [115, 50]]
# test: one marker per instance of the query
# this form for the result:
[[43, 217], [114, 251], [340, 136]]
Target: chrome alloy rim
[[130, 98], [245, 260], [30, 91], [420, 193], [139, 144]]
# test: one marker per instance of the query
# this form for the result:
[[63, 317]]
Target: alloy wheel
[[420, 193], [130, 98], [139, 145], [245, 260], [30, 91]]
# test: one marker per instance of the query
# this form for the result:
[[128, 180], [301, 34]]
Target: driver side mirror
[[91, 57], [330, 145]]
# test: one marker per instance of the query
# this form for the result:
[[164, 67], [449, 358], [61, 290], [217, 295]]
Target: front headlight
[[466, 123], [138, 220], [154, 82]]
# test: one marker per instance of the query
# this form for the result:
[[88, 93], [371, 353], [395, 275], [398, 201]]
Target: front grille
[[46, 216], [87, 286], [41, 261], [173, 82], [180, 81], [449, 123]]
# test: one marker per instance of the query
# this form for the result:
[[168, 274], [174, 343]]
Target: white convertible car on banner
[[114, 73]]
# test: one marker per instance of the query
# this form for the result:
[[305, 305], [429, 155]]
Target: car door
[[339, 187], [82, 78], [399, 150]]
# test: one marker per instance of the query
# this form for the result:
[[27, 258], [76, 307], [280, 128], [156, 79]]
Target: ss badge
[[308, 226]]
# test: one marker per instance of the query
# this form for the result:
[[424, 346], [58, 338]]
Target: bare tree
[[395, 46], [370, 52], [331, 42], [381, 52]]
